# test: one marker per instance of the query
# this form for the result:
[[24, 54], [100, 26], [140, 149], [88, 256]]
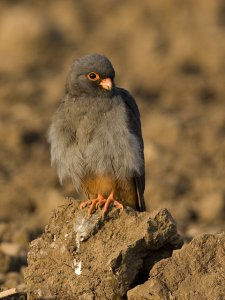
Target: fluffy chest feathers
[[92, 120], [94, 140]]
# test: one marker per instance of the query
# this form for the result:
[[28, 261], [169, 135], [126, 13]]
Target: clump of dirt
[[192, 273], [86, 257]]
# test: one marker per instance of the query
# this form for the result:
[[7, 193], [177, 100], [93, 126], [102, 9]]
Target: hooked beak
[[106, 84]]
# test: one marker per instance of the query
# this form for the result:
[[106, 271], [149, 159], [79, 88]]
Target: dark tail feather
[[140, 195]]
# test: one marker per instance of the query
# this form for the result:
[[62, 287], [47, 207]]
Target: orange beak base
[[106, 84]]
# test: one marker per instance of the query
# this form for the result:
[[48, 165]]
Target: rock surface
[[82, 257], [193, 273]]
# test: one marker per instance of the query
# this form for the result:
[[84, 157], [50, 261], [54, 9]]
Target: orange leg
[[92, 203], [99, 202], [108, 202]]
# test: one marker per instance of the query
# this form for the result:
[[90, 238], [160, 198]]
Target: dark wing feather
[[135, 127]]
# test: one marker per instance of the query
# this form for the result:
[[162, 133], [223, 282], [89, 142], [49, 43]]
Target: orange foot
[[92, 203], [99, 202], [108, 201]]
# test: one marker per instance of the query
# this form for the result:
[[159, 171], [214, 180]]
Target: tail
[[140, 195]]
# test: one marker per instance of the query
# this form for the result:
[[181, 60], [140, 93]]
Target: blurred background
[[169, 54]]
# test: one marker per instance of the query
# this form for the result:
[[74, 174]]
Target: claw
[[100, 202], [92, 203], [108, 202], [93, 206]]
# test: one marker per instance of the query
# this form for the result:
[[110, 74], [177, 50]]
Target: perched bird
[[96, 138]]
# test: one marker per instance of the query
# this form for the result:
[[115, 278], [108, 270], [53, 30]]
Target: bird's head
[[91, 75]]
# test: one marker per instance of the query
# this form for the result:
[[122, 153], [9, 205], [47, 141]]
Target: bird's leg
[[99, 202], [108, 202], [92, 203]]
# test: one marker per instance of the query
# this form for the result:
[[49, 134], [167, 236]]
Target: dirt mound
[[192, 273], [82, 257]]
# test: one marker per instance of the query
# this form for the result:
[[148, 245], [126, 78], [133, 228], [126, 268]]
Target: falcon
[[96, 139]]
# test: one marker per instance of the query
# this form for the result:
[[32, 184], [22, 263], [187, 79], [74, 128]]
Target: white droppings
[[54, 238], [80, 231], [77, 267], [66, 235]]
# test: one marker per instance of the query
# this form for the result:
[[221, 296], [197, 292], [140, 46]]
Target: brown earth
[[90, 258], [193, 273], [170, 55]]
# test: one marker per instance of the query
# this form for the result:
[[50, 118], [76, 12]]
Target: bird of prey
[[96, 138]]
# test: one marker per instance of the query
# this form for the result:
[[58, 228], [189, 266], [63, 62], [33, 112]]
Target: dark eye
[[93, 76]]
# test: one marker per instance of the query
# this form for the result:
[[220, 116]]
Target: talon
[[100, 202], [109, 201], [118, 204], [92, 203], [92, 206]]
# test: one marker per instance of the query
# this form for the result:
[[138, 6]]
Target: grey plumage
[[96, 131]]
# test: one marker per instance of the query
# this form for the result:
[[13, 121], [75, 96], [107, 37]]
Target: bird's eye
[[93, 76]]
